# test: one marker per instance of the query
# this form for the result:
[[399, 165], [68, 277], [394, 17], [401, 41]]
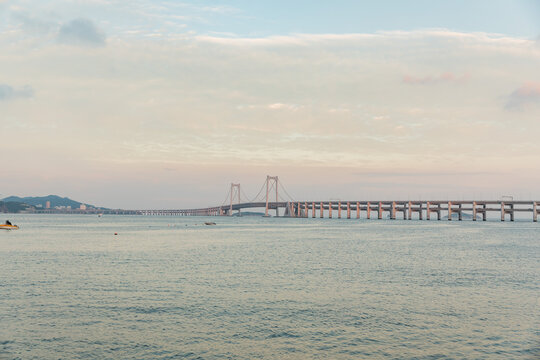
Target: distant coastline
[[46, 204]]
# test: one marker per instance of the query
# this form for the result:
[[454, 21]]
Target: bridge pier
[[330, 210], [511, 212], [302, 209]]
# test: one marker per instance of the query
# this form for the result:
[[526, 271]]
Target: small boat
[[8, 227], [209, 223]]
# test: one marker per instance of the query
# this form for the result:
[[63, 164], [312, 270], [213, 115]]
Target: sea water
[[267, 288]]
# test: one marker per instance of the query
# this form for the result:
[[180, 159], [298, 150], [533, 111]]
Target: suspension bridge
[[274, 198]]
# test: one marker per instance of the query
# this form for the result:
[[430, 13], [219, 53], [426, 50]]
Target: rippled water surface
[[250, 288]]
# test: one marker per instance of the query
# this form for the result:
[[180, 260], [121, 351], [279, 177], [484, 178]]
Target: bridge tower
[[275, 182], [233, 187]]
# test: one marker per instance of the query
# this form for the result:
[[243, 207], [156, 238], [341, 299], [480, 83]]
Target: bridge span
[[270, 200], [407, 210]]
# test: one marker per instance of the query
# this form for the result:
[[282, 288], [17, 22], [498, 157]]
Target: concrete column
[[322, 210], [460, 216], [404, 212], [449, 211], [393, 213], [358, 210], [474, 211], [410, 210], [502, 211], [313, 210], [299, 210], [511, 212], [339, 210], [306, 210], [420, 214], [484, 215], [348, 210], [428, 212], [379, 215], [535, 212], [330, 209], [439, 212], [368, 210]]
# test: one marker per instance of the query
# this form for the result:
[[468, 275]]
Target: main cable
[[285, 191]]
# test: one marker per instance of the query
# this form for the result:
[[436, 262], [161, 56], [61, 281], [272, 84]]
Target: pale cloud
[[339, 110], [8, 92], [446, 77], [443, 36], [34, 24], [272, 106], [81, 32], [280, 104]]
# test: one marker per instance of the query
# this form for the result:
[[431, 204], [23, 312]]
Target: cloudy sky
[[161, 104]]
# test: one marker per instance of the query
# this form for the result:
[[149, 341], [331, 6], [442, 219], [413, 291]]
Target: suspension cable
[[259, 193], [285, 191], [226, 197], [244, 194]]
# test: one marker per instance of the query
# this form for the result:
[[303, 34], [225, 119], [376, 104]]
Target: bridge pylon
[[233, 187], [275, 182]]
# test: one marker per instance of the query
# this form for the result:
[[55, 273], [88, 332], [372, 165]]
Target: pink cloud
[[528, 93]]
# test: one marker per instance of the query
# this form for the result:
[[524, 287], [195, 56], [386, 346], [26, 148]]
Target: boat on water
[[8, 226]]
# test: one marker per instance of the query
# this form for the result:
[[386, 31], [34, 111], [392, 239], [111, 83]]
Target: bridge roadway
[[339, 208], [213, 211]]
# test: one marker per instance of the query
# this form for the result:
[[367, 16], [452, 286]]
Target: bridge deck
[[357, 207]]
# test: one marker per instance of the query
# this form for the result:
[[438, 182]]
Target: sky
[[162, 104]]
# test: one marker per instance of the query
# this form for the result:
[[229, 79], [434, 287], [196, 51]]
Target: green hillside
[[14, 207], [42, 200]]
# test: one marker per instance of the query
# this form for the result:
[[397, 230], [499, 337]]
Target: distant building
[[48, 205], [82, 207]]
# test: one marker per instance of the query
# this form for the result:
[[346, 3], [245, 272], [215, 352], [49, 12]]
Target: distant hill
[[14, 207], [42, 200]]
